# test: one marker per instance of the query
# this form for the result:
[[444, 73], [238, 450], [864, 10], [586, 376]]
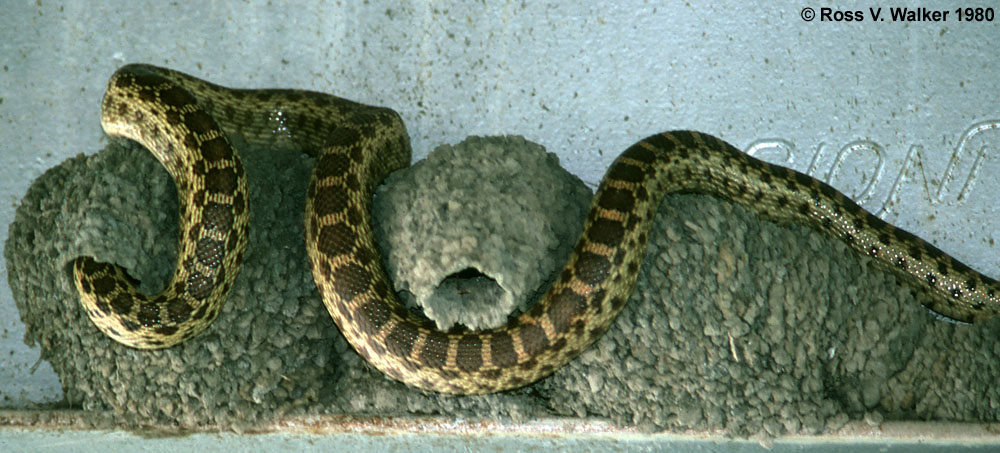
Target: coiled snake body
[[184, 122]]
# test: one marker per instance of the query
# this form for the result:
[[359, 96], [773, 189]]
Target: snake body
[[184, 122]]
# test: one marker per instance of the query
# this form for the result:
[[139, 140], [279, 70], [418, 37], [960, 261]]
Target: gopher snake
[[184, 122]]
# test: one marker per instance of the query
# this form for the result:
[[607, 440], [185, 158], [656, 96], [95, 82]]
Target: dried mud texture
[[737, 325], [274, 349], [473, 230], [121, 206]]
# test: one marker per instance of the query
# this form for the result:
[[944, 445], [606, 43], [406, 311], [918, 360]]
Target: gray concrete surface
[[102, 442]]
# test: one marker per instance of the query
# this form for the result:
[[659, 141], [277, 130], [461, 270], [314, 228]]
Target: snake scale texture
[[185, 122]]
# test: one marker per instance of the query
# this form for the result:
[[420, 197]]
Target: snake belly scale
[[185, 122]]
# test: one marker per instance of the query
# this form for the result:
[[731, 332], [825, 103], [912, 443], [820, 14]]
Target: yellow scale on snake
[[185, 122]]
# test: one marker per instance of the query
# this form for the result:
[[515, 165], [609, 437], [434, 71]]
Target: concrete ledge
[[33, 430]]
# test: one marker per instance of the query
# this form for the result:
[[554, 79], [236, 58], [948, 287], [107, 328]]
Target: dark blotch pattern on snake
[[184, 122]]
